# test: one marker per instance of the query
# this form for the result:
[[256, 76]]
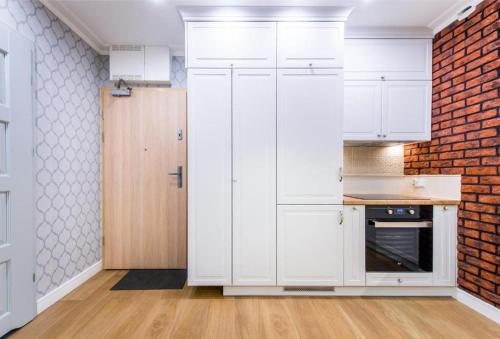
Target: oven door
[[398, 245]]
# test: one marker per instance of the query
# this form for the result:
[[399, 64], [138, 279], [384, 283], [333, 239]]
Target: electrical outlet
[[418, 183]]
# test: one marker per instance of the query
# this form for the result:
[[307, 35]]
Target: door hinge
[[34, 277], [341, 176], [102, 137]]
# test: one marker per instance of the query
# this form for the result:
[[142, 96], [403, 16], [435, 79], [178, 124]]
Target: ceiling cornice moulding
[[82, 30], [451, 15], [264, 13]]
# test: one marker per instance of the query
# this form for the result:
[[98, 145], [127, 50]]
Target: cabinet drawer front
[[399, 279], [231, 44], [391, 59], [309, 245], [310, 44]]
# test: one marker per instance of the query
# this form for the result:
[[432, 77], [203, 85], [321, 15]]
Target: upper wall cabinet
[[231, 44], [388, 59], [310, 44], [406, 110], [388, 111]]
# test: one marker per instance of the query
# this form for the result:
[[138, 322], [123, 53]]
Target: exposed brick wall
[[466, 141]]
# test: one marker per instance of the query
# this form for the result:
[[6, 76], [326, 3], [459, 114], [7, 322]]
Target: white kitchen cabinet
[[157, 63], [310, 44], [254, 177], [231, 44], [406, 110], [362, 110], [209, 177], [310, 245], [309, 127], [389, 59], [354, 246], [444, 245], [387, 110]]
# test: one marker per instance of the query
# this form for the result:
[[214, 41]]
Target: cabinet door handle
[[379, 135], [400, 280], [384, 135], [341, 218], [340, 174]]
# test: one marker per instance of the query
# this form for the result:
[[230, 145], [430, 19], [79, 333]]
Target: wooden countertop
[[431, 201]]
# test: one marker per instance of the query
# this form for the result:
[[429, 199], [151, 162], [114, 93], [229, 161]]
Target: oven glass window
[[398, 249]]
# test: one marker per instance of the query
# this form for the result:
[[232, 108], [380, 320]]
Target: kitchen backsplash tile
[[387, 160]]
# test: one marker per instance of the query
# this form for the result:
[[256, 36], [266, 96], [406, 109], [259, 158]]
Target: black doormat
[[152, 280]]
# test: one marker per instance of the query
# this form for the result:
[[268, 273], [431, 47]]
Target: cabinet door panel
[[354, 246], [209, 177], [309, 245], [444, 246], [393, 59], [310, 114], [406, 109], [254, 174], [362, 110], [222, 44], [310, 44]]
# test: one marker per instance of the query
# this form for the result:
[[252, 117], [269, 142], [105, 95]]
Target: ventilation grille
[[127, 48], [309, 289]]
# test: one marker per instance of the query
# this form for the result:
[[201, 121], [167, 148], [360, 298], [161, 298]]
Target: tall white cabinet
[[209, 177], [254, 177], [265, 152]]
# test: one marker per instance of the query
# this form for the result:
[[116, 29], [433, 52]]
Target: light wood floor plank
[[93, 311]]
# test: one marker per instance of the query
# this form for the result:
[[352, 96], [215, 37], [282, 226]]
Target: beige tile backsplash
[[373, 160]]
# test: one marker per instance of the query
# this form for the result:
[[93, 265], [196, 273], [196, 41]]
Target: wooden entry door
[[144, 202]]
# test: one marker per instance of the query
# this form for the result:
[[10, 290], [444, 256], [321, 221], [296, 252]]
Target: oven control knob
[[390, 212], [412, 212]]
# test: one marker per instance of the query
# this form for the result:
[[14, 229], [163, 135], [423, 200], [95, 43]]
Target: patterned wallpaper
[[69, 74], [178, 75]]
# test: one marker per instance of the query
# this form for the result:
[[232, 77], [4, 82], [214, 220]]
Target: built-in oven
[[399, 238]]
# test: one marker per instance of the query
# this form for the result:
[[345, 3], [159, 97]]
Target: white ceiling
[[157, 22]]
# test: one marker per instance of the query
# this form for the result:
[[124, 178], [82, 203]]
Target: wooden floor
[[93, 311]]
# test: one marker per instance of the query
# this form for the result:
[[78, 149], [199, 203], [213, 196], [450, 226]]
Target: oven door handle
[[403, 224]]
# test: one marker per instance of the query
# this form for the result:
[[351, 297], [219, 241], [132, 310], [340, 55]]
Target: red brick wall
[[466, 141]]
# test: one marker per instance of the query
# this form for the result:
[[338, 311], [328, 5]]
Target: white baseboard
[[59, 292], [478, 305]]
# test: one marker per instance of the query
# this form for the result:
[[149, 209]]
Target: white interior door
[[209, 177], [362, 110], [254, 177], [309, 134], [17, 294]]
